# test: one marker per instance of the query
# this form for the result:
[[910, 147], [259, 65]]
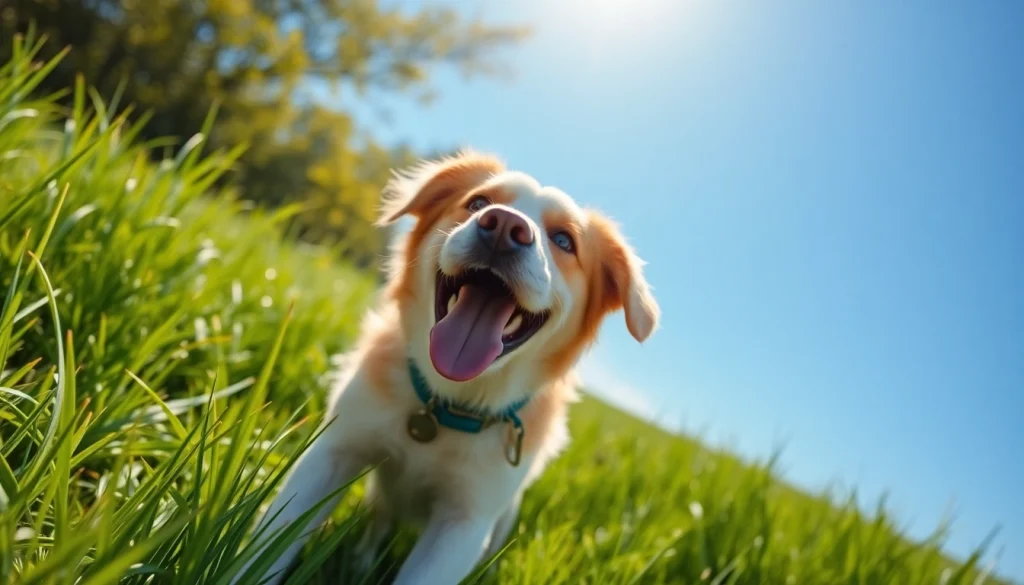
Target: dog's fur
[[460, 486]]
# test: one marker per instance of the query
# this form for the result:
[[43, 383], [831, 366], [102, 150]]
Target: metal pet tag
[[422, 426]]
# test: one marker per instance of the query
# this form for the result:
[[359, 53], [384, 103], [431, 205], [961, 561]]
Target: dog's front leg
[[447, 551], [502, 528], [323, 468]]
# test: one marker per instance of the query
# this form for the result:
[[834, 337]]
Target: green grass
[[162, 359]]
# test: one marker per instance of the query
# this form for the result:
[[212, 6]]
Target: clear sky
[[830, 197]]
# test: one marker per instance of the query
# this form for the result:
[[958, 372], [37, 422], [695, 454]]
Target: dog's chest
[[456, 468], [462, 470]]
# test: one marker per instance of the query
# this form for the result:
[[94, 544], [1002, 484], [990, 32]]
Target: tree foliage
[[263, 64]]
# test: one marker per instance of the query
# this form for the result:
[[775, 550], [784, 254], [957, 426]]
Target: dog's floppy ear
[[429, 184], [622, 280]]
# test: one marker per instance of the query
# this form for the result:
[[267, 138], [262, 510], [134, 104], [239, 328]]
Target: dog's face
[[500, 273]]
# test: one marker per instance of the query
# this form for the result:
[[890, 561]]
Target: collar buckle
[[465, 413]]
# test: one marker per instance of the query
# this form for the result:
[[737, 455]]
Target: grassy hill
[[162, 357]]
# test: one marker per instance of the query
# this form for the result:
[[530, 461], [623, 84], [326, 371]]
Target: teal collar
[[468, 419], [461, 418]]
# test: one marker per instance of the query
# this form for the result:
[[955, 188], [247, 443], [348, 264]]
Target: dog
[[456, 393]]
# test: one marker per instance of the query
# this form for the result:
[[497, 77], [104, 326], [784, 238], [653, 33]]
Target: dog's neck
[[492, 391]]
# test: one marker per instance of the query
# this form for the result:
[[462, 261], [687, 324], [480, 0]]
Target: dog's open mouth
[[477, 320]]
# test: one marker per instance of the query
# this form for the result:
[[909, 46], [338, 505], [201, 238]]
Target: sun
[[614, 29]]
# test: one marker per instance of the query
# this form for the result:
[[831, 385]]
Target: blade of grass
[[8, 482], [62, 471], [176, 425], [11, 302], [59, 397]]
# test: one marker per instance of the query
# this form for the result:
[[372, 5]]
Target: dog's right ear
[[624, 283], [430, 185]]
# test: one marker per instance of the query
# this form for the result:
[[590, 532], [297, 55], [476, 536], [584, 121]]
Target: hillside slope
[[129, 296]]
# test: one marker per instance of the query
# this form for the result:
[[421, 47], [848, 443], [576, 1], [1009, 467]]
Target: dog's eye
[[477, 203], [564, 241]]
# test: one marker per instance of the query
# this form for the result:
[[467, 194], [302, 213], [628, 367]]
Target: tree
[[257, 60]]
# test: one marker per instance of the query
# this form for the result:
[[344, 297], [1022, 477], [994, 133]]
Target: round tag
[[422, 426]]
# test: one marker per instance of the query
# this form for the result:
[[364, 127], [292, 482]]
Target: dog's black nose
[[504, 229]]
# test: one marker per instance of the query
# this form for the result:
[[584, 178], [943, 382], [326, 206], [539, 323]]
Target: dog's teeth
[[512, 326], [451, 302]]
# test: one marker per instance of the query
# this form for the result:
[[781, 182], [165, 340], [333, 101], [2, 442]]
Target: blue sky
[[830, 197]]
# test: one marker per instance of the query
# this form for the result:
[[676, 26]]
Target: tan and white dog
[[458, 387]]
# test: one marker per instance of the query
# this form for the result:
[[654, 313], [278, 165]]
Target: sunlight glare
[[618, 30]]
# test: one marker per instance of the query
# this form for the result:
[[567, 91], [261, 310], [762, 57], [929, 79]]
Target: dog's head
[[501, 275]]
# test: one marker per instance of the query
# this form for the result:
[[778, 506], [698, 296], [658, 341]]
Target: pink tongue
[[468, 339]]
